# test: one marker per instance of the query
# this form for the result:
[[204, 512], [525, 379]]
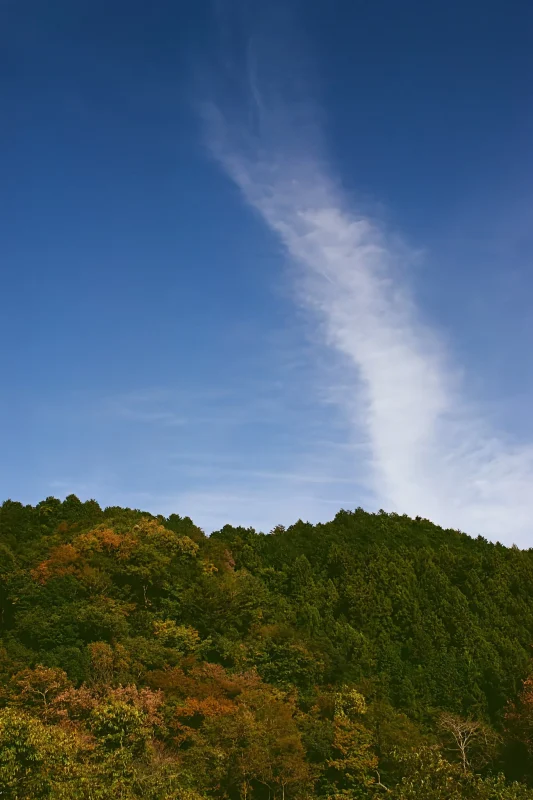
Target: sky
[[263, 261]]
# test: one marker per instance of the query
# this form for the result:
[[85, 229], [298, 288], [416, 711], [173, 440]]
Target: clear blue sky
[[166, 341]]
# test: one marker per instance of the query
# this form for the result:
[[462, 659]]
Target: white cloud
[[431, 454]]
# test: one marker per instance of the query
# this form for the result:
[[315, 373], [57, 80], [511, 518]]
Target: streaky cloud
[[430, 452]]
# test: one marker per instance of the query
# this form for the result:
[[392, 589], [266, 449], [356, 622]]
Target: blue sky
[[264, 261]]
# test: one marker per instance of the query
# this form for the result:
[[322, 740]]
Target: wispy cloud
[[242, 505], [430, 451], [260, 455], [229, 472]]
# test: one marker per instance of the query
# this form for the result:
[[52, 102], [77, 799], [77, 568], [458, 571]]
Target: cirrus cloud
[[430, 452]]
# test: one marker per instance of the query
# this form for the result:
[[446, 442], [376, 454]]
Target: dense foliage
[[371, 656]]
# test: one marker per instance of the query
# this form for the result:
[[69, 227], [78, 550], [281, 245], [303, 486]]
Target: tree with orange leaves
[[37, 687]]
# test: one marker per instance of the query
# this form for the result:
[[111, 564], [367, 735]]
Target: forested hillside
[[372, 656]]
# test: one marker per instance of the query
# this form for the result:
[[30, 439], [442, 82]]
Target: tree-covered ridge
[[370, 656]]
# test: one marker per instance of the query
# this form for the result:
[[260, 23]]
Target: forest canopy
[[370, 656]]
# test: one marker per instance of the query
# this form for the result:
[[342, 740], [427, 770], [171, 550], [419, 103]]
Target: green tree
[[36, 760]]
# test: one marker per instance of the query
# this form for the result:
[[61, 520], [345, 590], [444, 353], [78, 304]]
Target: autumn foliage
[[375, 656]]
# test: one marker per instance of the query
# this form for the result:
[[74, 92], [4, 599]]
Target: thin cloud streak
[[431, 454], [268, 475]]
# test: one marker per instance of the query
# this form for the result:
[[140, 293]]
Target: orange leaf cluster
[[63, 560]]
